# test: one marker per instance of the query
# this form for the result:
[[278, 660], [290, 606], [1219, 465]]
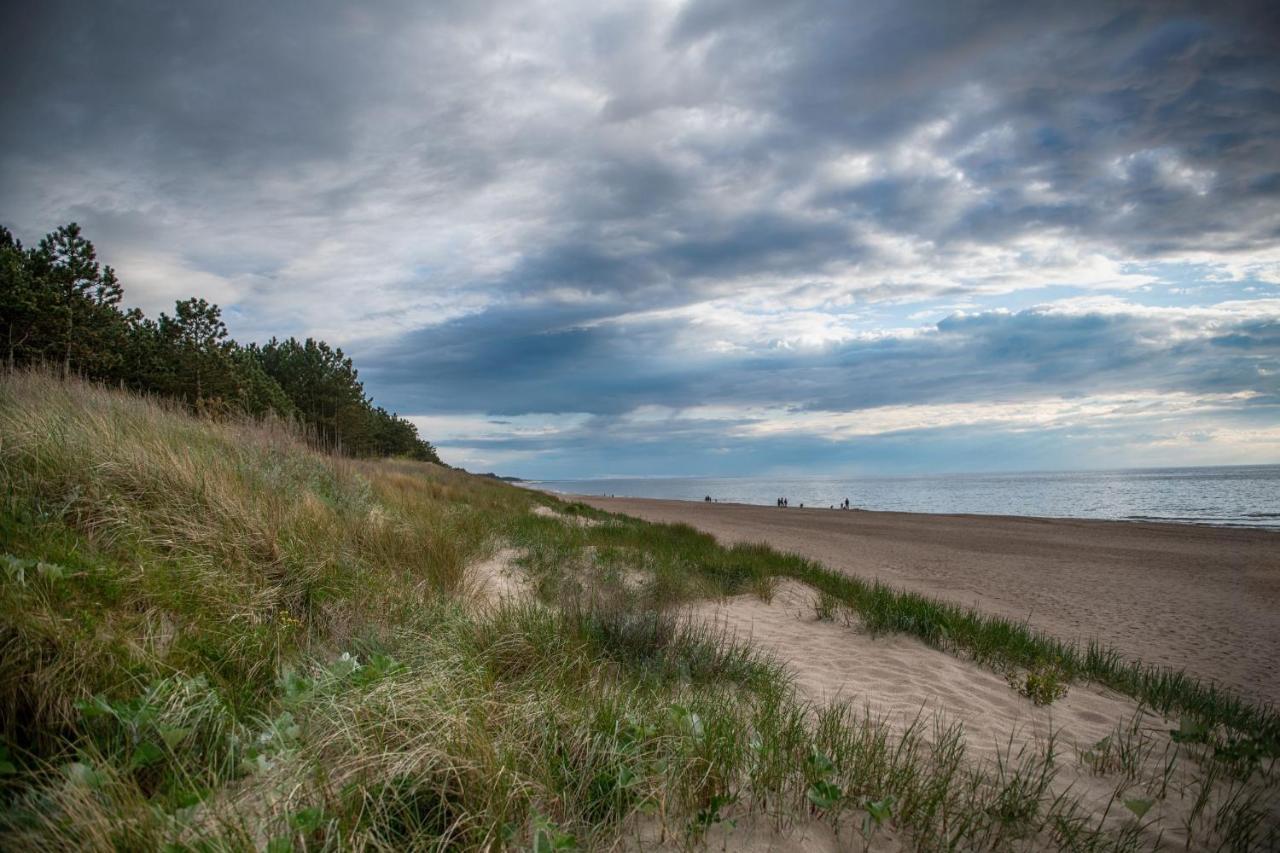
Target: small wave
[[1253, 520]]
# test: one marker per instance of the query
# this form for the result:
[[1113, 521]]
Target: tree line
[[61, 308]]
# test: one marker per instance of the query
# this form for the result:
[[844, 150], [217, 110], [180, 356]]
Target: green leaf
[[290, 730], [174, 735], [820, 764], [626, 777], [547, 837], [379, 666], [95, 706], [308, 819], [190, 798], [711, 813], [824, 795], [294, 686], [690, 719], [345, 665], [145, 755], [83, 774], [16, 568], [1138, 806], [880, 810], [256, 763], [50, 571]]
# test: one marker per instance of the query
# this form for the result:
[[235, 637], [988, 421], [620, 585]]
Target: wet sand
[[1200, 598]]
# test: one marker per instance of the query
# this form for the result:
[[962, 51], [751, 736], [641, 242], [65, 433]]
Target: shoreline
[[1199, 597], [1153, 521]]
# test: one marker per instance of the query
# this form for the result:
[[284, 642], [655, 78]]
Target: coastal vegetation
[[688, 563], [60, 307], [215, 635]]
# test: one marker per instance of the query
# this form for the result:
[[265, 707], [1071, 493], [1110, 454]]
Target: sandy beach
[[1199, 598]]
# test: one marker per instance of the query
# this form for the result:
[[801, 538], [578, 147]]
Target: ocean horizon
[[1227, 495]]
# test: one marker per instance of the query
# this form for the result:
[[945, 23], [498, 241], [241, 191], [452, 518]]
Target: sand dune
[[1106, 749], [903, 682], [1199, 598], [900, 678]]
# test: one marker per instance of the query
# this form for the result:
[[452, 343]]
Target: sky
[[573, 239]]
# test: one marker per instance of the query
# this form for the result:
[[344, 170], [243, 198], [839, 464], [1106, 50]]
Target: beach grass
[[688, 564], [215, 638]]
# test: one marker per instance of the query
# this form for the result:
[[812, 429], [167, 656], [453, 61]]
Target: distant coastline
[[1246, 496], [491, 475]]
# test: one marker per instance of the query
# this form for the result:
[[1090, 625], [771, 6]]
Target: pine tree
[[19, 305], [196, 337], [58, 304]]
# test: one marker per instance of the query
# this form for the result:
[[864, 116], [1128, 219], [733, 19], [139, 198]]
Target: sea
[[1229, 496]]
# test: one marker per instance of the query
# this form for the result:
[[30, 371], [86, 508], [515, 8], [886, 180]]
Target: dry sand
[[900, 678], [495, 580], [1200, 598], [903, 682]]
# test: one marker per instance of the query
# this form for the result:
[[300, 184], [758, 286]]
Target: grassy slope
[[212, 637]]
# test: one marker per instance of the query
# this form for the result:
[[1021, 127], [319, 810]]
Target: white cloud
[[1048, 412], [157, 280]]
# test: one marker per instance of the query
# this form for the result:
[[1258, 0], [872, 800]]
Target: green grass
[[214, 638], [688, 564]]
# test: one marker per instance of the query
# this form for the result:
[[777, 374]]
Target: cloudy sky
[[575, 239]]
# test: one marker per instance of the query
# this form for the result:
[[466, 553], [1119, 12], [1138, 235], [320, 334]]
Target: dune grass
[[687, 564], [215, 638]]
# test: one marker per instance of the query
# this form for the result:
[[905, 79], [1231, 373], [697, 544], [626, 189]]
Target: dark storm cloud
[[609, 368], [213, 86], [1026, 355], [516, 361], [1152, 127], [1260, 336], [1098, 102], [689, 264], [522, 208]]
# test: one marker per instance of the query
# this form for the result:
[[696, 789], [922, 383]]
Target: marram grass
[[214, 638], [687, 563]]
